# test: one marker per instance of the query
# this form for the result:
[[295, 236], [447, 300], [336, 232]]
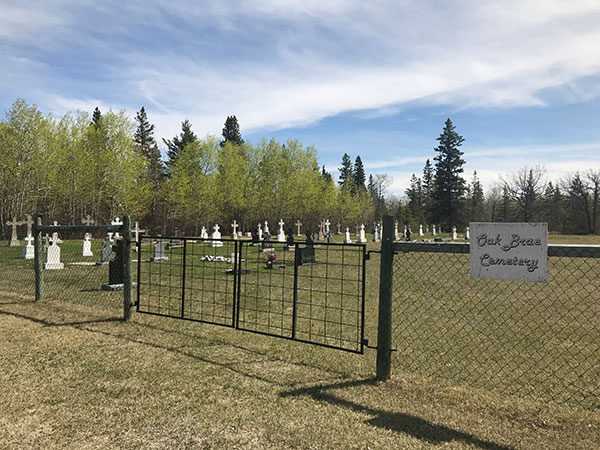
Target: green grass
[[78, 378]]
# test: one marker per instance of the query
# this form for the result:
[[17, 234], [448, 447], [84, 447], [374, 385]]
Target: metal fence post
[[384, 326], [127, 284], [37, 261]]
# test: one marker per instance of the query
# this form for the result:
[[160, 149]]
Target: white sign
[[509, 251]]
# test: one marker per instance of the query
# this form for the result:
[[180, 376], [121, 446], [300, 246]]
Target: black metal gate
[[309, 293]]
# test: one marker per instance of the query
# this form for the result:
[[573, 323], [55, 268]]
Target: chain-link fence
[[537, 340], [76, 268]]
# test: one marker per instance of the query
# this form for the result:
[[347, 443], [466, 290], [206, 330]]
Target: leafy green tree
[[231, 132], [449, 186], [178, 143], [359, 175]]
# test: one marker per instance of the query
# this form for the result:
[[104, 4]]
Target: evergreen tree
[[326, 176], [415, 199], [476, 200], [359, 175], [428, 186], [175, 146], [449, 186], [96, 117], [231, 132], [345, 179], [146, 145]]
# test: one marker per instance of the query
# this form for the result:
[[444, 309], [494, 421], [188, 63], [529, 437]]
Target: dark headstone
[[115, 266], [307, 255], [329, 238]]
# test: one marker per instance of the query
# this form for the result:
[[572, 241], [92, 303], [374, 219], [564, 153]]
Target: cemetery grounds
[[75, 376]]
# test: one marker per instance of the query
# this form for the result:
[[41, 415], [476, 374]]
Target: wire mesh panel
[[539, 340], [80, 276], [191, 279], [313, 294]]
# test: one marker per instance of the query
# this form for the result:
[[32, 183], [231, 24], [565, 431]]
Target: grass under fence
[[79, 377]]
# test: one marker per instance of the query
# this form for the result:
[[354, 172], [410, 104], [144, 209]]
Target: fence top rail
[[85, 228], [246, 240], [571, 251]]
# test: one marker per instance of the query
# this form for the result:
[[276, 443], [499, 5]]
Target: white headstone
[[87, 246], [421, 230], [234, 226], [117, 221], [216, 236], [426, 228], [468, 234], [433, 232], [28, 250], [53, 257], [396, 235], [376, 234], [405, 232], [326, 223], [260, 232], [454, 233], [298, 225], [281, 234], [55, 237], [204, 233], [266, 230], [361, 236], [347, 240]]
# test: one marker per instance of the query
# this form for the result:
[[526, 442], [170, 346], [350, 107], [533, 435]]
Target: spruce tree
[[326, 175], [96, 117], [175, 146], [449, 186], [144, 133], [231, 132], [359, 175], [428, 186], [476, 200], [345, 179]]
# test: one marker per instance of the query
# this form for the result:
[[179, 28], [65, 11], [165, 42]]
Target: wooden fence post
[[37, 260], [384, 327], [127, 284]]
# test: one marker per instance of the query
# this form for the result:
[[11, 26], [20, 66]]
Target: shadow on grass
[[396, 421]]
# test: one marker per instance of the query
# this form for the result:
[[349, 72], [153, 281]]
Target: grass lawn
[[74, 376]]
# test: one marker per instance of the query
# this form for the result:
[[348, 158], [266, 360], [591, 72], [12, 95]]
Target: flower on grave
[[271, 258]]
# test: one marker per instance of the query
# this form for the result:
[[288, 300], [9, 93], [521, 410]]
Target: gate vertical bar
[[183, 278], [127, 284], [384, 326], [37, 254], [297, 254], [237, 268], [138, 244]]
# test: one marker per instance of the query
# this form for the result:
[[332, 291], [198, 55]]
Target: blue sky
[[519, 79]]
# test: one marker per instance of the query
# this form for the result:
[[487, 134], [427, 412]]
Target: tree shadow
[[396, 421]]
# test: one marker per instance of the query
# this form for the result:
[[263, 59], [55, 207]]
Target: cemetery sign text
[[509, 251]]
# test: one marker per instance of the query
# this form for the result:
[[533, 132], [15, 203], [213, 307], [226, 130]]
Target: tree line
[[442, 196], [107, 165]]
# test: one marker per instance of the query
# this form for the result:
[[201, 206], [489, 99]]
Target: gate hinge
[[366, 344]]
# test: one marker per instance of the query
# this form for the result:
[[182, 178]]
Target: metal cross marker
[[298, 225], [88, 221], [14, 241], [137, 230]]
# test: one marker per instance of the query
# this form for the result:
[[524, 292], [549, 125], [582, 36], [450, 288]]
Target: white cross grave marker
[[234, 225], [298, 225]]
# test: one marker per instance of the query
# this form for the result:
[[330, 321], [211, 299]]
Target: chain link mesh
[[536, 340]]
